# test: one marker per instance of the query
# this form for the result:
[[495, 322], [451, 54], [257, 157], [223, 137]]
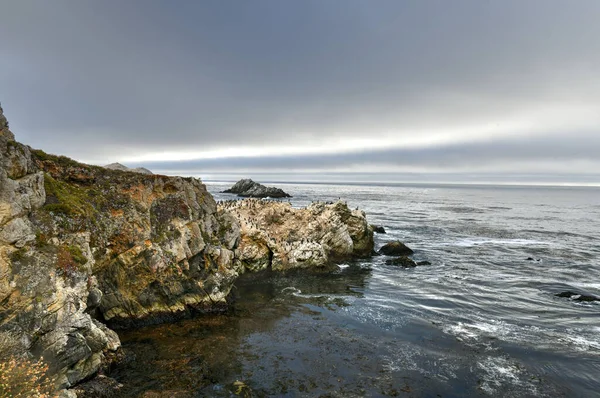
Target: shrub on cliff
[[21, 377]]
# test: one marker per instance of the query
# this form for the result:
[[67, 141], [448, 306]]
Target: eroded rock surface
[[276, 235]]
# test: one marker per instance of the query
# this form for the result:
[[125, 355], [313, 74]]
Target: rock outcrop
[[250, 189], [121, 167], [4, 130], [276, 235], [84, 248], [83, 245]]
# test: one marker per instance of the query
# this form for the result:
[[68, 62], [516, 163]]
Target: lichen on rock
[[83, 248], [278, 236]]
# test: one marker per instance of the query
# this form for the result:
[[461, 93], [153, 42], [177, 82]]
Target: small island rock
[[251, 189]]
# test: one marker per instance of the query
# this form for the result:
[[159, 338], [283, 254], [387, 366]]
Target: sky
[[388, 89]]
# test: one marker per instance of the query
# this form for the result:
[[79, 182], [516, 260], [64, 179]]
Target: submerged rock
[[99, 387], [402, 261], [396, 248], [578, 296], [423, 263], [251, 189], [378, 229]]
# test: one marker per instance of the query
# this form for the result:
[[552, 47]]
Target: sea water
[[481, 320]]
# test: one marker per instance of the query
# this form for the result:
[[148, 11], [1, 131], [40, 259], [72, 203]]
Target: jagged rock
[[402, 261], [251, 189], [396, 248], [131, 246], [378, 229], [578, 296], [4, 130], [276, 235]]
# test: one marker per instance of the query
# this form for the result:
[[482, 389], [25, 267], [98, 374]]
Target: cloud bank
[[412, 86]]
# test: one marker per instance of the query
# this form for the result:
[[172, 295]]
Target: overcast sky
[[201, 87]]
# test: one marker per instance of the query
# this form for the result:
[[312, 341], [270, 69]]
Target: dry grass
[[21, 377]]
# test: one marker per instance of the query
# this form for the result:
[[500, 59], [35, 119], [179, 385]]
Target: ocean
[[482, 320]]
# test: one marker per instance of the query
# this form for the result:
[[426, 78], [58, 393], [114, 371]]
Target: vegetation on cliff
[[83, 247]]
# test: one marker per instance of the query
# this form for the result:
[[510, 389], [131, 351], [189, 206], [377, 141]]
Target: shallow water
[[482, 320]]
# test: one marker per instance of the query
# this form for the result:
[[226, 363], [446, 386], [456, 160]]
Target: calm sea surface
[[481, 320]]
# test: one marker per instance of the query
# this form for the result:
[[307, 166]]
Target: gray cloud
[[440, 84]]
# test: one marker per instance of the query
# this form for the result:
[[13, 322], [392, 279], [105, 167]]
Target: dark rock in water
[[423, 263], [251, 189], [378, 228], [530, 258], [578, 296], [396, 248], [99, 387], [402, 262]]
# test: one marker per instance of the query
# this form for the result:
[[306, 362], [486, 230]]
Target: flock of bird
[[235, 206]]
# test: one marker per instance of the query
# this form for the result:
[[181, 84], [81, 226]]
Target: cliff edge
[[85, 249]]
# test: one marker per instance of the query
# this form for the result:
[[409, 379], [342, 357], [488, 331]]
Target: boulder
[[378, 229], [251, 189], [395, 248]]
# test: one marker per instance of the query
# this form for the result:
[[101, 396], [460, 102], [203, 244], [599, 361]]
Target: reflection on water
[[217, 355]]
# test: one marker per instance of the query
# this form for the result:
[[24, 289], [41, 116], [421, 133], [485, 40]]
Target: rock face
[[276, 235], [396, 248], [82, 244], [120, 167], [83, 247], [250, 189]]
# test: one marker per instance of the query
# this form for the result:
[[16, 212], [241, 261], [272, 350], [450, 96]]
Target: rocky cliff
[[83, 247]]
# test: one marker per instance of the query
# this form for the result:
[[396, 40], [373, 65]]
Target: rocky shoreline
[[83, 247]]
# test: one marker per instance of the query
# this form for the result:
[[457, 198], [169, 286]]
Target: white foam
[[342, 266], [470, 242], [291, 290]]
